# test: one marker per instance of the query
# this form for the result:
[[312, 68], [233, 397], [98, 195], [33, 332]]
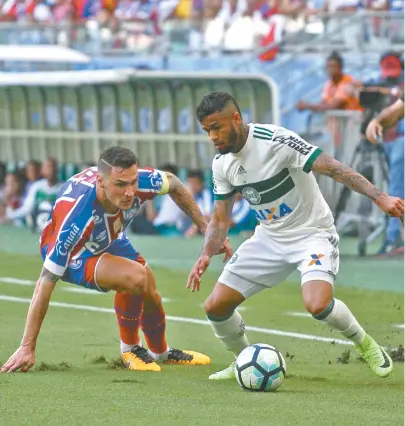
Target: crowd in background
[[232, 25], [27, 195]]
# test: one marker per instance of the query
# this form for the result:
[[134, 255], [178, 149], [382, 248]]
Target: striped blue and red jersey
[[78, 226]]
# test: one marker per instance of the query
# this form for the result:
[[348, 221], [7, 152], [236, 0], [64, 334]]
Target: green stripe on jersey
[[265, 138], [267, 184], [308, 165], [259, 129], [261, 133], [278, 192], [220, 197]]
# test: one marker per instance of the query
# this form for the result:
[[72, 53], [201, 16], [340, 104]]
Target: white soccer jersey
[[273, 173]]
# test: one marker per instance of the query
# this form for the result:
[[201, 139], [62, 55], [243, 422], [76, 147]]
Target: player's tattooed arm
[[184, 199], [329, 166], [391, 115], [393, 206], [218, 227], [38, 307]]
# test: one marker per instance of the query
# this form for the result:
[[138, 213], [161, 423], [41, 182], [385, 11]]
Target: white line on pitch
[[18, 281], [399, 325], [299, 314], [186, 320]]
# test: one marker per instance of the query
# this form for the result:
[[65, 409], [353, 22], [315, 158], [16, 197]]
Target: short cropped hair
[[335, 56], [116, 156], [215, 102]]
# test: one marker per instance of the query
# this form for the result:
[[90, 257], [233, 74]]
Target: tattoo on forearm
[[183, 198], [214, 238], [328, 166], [218, 227]]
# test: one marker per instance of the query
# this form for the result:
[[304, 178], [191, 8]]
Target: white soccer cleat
[[226, 374]]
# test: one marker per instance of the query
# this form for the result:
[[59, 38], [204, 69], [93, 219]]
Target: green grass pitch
[[77, 380]]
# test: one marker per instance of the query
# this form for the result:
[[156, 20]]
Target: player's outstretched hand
[[22, 359], [374, 131], [227, 249], [393, 206], [194, 279]]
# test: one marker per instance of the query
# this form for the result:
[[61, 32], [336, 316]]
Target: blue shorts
[[83, 271]]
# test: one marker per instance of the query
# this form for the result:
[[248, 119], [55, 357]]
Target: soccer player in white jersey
[[271, 167]]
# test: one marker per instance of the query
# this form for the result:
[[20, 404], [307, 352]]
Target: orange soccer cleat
[[177, 356], [139, 359]]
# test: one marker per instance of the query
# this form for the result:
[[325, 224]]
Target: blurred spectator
[[338, 90], [203, 197], [378, 29], [343, 27], [163, 213], [63, 11], [40, 198], [32, 174], [12, 196], [3, 172]]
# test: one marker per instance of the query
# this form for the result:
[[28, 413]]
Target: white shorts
[[261, 262]]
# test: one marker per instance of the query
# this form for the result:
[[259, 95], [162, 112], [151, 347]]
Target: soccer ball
[[260, 367]]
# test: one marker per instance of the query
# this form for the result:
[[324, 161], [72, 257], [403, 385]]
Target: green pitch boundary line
[[271, 331]]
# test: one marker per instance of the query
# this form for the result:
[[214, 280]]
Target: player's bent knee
[[135, 280], [217, 309], [316, 306], [220, 304], [317, 295]]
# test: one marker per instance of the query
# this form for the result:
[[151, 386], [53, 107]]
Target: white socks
[[338, 316], [159, 357], [231, 332], [128, 348]]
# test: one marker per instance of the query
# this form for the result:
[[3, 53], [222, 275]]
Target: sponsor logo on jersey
[[97, 219], [315, 259], [73, 234], [75, 264], [273, 213], [241, 170], [251, 195], [155, 179], [294, 143]]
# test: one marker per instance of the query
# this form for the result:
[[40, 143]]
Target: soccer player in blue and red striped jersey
[[84, 243]]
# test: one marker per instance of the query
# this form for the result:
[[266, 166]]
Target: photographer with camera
[[388, 126]]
